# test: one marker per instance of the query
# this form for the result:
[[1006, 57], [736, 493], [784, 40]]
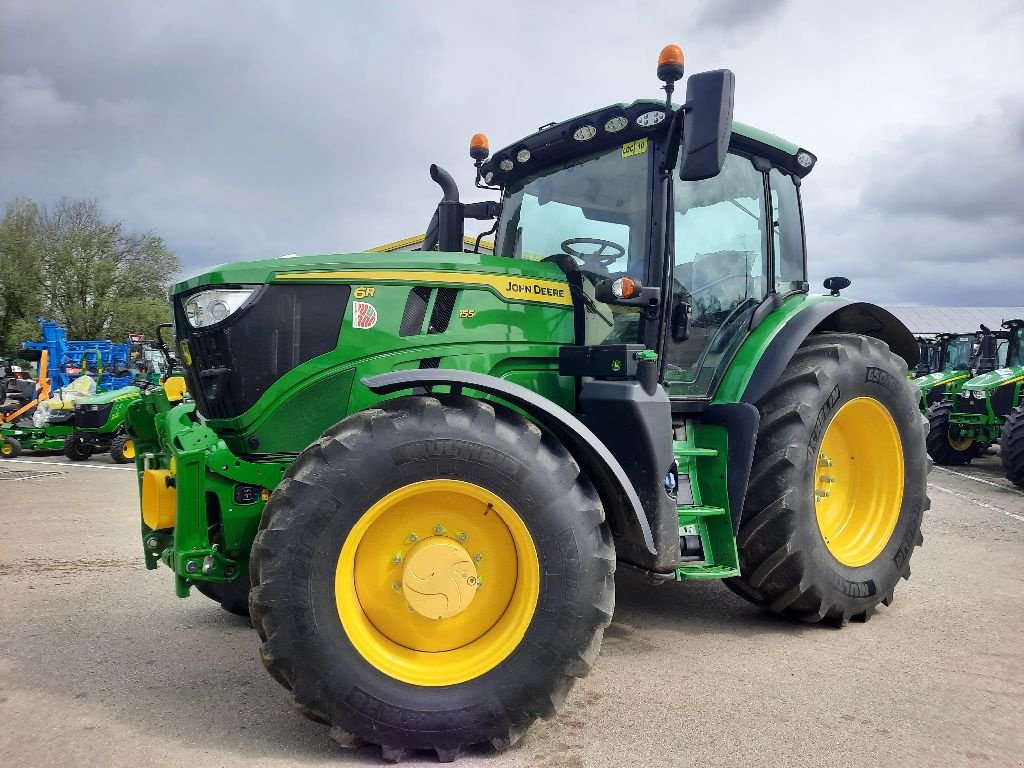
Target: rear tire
[[122, 450], [940, 447], [315, 644], [76, 449], [233, 596], [9, 448], [1011, 446], [835, 382]]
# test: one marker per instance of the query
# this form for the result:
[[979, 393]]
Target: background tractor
[[988, 408], [429, 465], [948, 367]]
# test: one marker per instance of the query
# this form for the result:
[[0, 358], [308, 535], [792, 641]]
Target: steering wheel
[[596, 259]]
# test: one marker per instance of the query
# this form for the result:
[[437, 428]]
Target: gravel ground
[[101, 665]]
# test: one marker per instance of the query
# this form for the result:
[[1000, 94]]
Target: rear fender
[[626, 516]]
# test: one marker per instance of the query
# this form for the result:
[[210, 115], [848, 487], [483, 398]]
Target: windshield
[[958, 353], [596, 211]]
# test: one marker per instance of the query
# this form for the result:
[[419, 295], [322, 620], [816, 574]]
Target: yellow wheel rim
[[858, 487], [128, 449], [437, 582], [959, 444], [6, 448]]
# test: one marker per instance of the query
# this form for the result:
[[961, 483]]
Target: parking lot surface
[[101, 665]]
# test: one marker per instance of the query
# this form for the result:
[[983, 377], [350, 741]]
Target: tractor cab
[[951, 359], [658, 254]]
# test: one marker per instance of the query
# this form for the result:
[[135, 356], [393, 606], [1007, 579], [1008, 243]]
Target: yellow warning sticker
[[636, 147]]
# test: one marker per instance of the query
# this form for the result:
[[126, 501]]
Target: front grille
[[967, 404], [230, 365], [92, 416], [444, 305]]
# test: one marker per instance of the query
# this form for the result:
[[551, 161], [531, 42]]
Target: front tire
[[76, 449], [9, 448], [122, 449], [366, 519], [1011, 446], [837, 490], [943, 448]]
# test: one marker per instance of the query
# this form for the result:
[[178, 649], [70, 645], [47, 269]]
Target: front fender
[[626, 515]]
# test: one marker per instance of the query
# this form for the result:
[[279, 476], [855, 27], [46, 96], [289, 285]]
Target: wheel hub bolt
[[397, 559], [397, 586], [413, 538], [477, 557], [438, 529], [827, 479], [153, 542], [463, 536], [191, 566]]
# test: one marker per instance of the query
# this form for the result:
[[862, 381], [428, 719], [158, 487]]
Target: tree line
[[71, 264]]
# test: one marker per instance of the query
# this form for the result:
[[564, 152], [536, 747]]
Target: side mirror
[[707, 124], [835, 284], [679, 327]]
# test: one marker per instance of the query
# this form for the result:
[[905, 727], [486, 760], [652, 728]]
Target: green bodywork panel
[[488, 333]]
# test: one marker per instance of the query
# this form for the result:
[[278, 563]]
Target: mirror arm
[[675, 135], [488, 209]]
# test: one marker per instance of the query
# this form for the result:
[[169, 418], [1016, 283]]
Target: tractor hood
[[995, 379], [108, 397], [289, 268], [292, 332]]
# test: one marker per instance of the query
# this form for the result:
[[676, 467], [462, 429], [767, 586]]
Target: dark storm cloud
[[253, 129], [970, 174], [233, 134], [939, 220]]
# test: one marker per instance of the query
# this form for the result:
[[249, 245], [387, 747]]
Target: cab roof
[[621, 123]]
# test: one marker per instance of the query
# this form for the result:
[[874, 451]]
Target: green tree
[[103, 281], [21, 274]]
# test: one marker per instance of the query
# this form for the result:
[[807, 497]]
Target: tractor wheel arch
[[857, 317], [626, 516]]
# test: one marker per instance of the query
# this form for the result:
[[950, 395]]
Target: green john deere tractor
[[948, 367], [428, 465], [988, 408], [99, 426]]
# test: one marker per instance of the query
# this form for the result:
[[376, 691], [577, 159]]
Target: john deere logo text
[[363, 315], [533, 289]]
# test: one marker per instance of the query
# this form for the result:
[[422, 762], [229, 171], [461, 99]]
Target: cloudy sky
[[252, 129]]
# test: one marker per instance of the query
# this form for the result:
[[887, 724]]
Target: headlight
[[978, 394], [210, 307]]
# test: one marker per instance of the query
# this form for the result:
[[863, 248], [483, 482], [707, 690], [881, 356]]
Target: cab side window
[[787, 236]]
